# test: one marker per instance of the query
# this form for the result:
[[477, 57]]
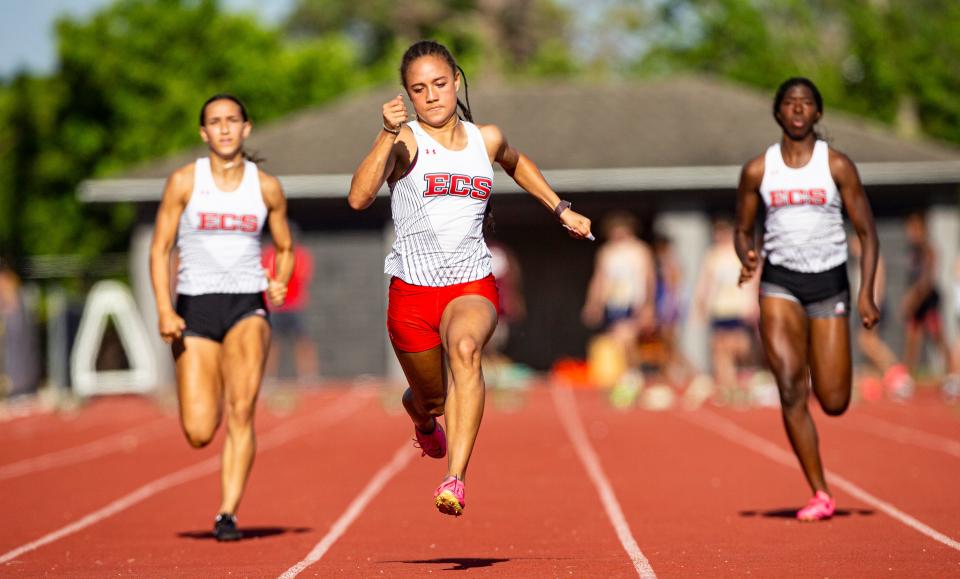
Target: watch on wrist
[[561, 207]]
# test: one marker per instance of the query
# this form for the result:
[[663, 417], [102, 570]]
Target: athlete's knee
[[197, 434], [794, 391], [241, 411], [835, 403], [466, 350]]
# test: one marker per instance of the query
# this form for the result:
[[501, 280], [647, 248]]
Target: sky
[[27, 40]]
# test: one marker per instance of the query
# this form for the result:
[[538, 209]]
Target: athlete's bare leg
[[830, 367], [785, 335], [876, 350], [729, 347], [427, 394], [465, 327], [199, 388], [913, 340], [244, 351]]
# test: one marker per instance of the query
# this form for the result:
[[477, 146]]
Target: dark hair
[[789, 84], [434, 48], [223, 96], [619, 218]]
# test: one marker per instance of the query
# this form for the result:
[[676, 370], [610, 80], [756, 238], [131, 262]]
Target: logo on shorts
[[840, 308]]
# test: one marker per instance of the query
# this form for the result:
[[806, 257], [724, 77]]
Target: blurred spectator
[[19, 367], [921, 303], [621, 295], [731, 310], [669, 283], [288, 322], [951, 386], [513, 307], [896, 378]]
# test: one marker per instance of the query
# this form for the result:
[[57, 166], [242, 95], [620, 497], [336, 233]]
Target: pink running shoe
[[449, 496], [819, 508], [434, 444]]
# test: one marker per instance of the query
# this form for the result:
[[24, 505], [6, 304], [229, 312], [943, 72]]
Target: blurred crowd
[[635, 303]]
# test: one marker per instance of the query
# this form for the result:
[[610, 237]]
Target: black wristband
[[561, 207]]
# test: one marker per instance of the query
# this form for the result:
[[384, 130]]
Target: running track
[[561, 485]]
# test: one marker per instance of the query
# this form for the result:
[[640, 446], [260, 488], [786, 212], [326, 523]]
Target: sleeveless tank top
[[438, 210], [804, 224], [219, 235]]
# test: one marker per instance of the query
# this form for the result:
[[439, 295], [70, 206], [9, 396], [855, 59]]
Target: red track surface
[[698, 502]]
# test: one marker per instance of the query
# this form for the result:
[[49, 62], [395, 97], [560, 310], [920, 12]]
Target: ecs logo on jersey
[[227, 222], [439, 184], [785, 197]]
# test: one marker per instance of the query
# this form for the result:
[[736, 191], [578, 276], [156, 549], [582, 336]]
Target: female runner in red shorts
[[443, 298]]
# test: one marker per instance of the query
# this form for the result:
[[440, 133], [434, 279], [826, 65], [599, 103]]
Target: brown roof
[[673, 122]]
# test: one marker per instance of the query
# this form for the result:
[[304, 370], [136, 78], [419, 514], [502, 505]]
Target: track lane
[[704, 505], [150, 469], [531, 511]]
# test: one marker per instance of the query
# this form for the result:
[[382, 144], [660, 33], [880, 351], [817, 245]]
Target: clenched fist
[[394, 113]]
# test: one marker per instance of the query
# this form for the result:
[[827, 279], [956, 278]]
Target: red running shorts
[[413, 312]]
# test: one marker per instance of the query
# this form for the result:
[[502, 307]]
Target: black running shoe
[[225, 528]]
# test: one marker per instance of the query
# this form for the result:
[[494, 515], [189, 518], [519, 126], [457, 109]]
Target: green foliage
[[128, 88], [522, 37], [877, 58]]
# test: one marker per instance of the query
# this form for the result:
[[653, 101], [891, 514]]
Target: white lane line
[[354, 510], [126, 441], [731, 431], [346, 406], [902, 434], [570, 417]]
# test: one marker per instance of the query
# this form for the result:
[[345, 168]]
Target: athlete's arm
[[704, 289], [748, 200], [924, 284], [592, 313], [176, 194], [526, 173], [861, 217], [647, 310], [391, 152], [276, 203]]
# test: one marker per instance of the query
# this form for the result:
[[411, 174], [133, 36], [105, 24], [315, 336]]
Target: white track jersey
[[219, 235], [804, 224], [438, 209]]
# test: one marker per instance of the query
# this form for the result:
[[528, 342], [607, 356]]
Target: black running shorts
[[823, 294], [212, 315]]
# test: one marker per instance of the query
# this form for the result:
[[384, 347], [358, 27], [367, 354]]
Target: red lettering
[[437, 184], [460, 185], [228, 222], [209, 221], [781, 198], [818, 197], [248, 223], [777, 199], [482, 186]]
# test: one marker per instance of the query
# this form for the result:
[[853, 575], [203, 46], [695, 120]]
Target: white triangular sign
[[111, 298]]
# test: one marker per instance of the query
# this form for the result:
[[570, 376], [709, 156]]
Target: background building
[[668, 150]]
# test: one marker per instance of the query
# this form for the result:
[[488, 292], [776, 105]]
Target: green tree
[[891, 61], [128, 88], [512, 36]]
